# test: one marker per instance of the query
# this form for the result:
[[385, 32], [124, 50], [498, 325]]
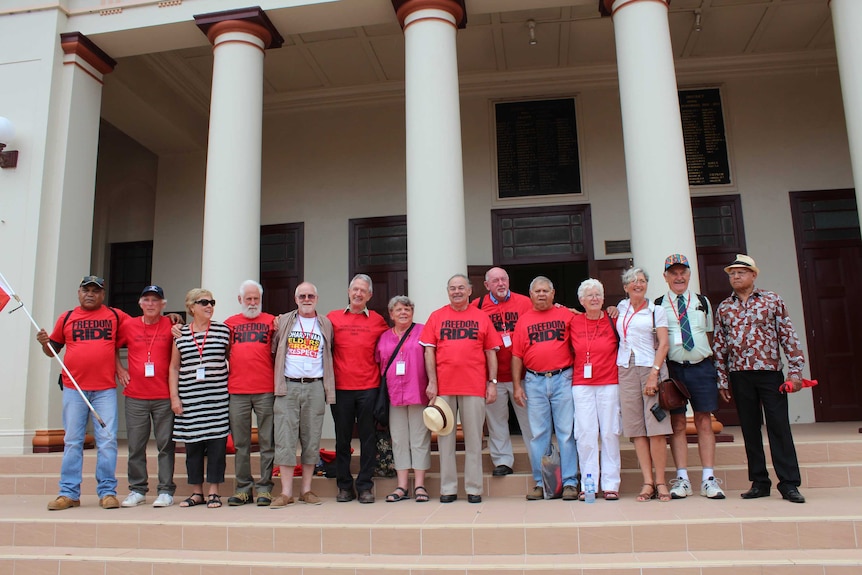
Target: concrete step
[[831, 519], [72, 561], [819, 443], [733, 477]]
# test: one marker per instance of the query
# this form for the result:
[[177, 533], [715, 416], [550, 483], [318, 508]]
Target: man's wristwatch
[[494, 381], [657, 368]]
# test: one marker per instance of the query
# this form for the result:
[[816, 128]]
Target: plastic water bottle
[[589, 489]]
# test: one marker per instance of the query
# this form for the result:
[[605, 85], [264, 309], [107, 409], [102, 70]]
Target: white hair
[[589, 284], [247, 284], [364, 278]]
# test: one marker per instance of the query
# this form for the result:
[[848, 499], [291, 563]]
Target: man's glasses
[[206, 302], [306, 296]]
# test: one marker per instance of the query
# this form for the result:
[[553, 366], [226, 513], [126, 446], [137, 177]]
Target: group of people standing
[[586, 378]]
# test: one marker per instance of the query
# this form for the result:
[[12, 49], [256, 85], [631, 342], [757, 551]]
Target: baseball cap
[[92, 280], [743, 261], [676, 260], [154, 290]]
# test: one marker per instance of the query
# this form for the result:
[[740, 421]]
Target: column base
[[717, 426], [51, 441]]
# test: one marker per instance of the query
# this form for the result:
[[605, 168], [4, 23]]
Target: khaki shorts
[[298, 417]]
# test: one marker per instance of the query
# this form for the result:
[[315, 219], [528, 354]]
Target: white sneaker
[[680, 488], [134, 499], [163, 500], [710, 489]]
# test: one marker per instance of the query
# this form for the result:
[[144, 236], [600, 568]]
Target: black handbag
[[381, 402]]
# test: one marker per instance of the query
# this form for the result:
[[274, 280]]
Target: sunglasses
[[306, 296], [206, 302]]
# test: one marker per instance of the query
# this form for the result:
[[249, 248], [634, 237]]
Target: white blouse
[[636, 335]]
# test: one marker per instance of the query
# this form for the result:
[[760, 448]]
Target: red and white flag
[[6, 293]]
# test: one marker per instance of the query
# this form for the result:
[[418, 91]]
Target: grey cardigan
[[279, 348]]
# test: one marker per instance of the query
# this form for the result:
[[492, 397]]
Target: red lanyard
[[302, 327], [626, 323], [595, 333], [203, 343], [153, 339], [682, 311]]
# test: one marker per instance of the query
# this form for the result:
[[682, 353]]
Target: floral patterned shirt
[[748, 335]]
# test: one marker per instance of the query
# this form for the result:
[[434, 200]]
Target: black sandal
[[192, 500], [213, 501], [398, 495], [421, 494]]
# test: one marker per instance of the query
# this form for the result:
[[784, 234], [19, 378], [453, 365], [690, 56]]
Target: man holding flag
[[90, 333]]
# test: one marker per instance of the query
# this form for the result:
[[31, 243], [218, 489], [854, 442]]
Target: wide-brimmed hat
[[743, 261], [438, 417]]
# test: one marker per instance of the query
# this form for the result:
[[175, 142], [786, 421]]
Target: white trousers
[[598, 416]]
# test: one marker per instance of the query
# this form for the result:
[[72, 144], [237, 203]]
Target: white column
[[231, 235], [65, 232], [436, 235], [847, 22], [656, 173]]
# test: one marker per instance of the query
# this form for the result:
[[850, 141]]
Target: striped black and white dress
[[205, 402]]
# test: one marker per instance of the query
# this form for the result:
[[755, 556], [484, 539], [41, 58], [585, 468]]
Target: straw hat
[[743, 261], [438, 417]]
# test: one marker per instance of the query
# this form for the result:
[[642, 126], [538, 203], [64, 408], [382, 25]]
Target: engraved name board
[[704, 135], [537, 148]]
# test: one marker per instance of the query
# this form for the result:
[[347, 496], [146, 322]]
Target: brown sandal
[[663, 497], [612, 495], [645, 495]]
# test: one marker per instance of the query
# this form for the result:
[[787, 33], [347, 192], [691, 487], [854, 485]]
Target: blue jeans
[[551, 409], [75, 416]]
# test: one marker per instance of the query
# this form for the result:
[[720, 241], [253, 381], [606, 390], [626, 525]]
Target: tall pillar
[[656, 173], [436, 234], [847, 22], [231, 235], [65, 231]]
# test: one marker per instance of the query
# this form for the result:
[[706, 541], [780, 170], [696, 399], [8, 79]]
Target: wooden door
[[378, 248], [829, 254], [281, 265], [719, 236]]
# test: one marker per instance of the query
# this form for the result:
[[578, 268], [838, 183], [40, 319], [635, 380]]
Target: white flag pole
[[54, 352]]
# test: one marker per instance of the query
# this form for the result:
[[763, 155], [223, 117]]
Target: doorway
[[719, 235], [829, 255], [281, 265]]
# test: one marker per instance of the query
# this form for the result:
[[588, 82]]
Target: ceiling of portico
[[161, 99]]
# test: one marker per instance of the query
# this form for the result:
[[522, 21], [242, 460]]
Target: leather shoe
[[345, 495], [793, 496], [502, 470], [448, 498], [366, 496], [474, 498], [755, 492]]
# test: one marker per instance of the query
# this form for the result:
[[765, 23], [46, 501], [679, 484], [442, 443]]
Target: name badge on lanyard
[[677, 339], [149, 369], [400, 368], [588, 371], [201, 373], [507, 340]]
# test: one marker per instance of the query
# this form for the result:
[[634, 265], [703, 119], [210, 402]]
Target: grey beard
[[249, 313]]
